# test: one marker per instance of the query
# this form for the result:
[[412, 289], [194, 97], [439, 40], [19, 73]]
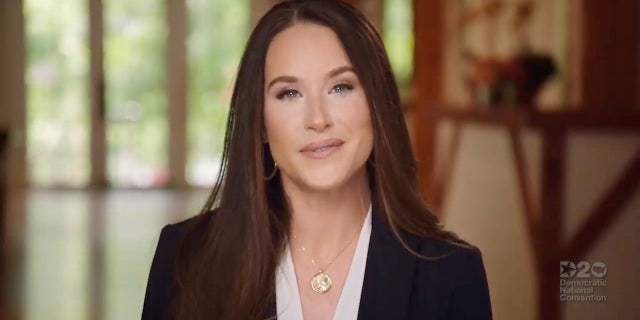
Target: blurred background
[[524, 116]]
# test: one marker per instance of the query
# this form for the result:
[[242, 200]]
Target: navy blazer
[[397, 284]]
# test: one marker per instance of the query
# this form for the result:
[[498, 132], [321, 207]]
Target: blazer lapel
[[388, 275]]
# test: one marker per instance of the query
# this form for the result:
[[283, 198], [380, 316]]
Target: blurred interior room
[[524, 116]]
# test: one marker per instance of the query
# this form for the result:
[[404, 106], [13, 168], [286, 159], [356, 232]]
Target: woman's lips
[[322, 149]]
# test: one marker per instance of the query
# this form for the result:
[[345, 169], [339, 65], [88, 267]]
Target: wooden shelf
[[523, 117]]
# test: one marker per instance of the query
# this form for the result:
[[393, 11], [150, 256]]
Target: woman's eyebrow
[[340, 70], [292, 79], [287, 79]]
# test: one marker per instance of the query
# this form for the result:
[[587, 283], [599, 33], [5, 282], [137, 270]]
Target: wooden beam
[[428, 79], [13, 90], [97, 155], [594, 120], [4, 139], [176, 55], [13, 160], [606, 211], [97, 149], [554, 146], [610, 52], [637, 72]]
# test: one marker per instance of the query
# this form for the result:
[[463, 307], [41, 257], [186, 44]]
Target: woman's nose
[[318, 117]]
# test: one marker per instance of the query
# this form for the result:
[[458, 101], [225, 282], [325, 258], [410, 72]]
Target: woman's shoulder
[[173, 234], [453, 272], [456, 262], [445, 274], [161, 283], [178, 229], [449, 252], [439, 250], [455, 248], [172, 237]]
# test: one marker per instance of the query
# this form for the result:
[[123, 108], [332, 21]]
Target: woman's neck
[[324, 222]]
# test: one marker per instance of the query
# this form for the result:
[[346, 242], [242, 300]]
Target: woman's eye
[[341, 88], [288, 94]]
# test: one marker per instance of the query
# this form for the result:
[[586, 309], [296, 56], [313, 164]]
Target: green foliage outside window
[[398, 38], [57, 92], [137, 137], [218, 32]]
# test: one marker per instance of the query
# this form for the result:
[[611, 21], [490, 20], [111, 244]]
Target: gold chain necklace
[[321, 282]]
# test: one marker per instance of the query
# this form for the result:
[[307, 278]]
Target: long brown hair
[[226, 264]]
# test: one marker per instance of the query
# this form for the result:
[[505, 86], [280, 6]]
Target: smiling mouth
[[322, 149]]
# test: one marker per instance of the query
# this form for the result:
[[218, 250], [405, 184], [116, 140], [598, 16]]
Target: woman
[[317, 213]]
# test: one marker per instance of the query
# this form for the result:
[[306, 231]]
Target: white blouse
[[288, 302]]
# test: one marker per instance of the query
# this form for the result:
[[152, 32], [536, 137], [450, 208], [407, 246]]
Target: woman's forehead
[[304, 48]]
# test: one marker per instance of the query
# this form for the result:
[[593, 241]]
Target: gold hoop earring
[[273, 174]]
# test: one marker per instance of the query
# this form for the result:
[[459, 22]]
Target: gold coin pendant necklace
[[321, 281]]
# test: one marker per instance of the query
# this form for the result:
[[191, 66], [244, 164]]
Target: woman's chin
[[332, 180], [321, 183]]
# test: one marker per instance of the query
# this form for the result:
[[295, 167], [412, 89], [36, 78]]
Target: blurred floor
[[87, 253]]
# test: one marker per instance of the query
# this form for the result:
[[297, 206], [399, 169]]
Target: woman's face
[[316, 113]]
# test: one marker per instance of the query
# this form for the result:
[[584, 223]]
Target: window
[[219, 30], [56, 90], [398, 38], [136, 102]]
